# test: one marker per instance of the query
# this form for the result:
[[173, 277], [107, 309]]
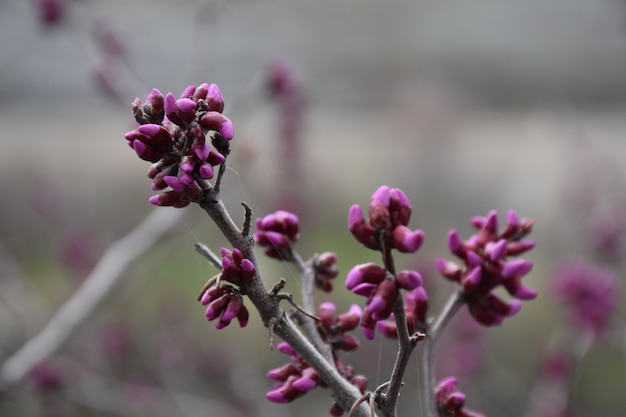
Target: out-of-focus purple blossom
[[486, 266], [450, 401], [286, 91], [77, 252], [50, 13], [325, 269], [589, 293], [389, 215], [46, 377], [277, 232]]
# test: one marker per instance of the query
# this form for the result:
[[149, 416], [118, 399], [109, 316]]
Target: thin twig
[[204, 250], [90, 294], [427, 359]]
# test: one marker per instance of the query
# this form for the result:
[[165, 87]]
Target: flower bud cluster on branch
[[176, 134]]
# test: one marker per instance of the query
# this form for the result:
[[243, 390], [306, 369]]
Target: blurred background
[[468, 106]]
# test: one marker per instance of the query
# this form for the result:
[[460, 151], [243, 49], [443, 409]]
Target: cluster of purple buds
[[325, 269], [450, 400], [172, 136], [415, 309], [375, 282], [224, 302], [333, 329], [277, 232], [389, 215], [589, 293], [296, 378], [486, 266]]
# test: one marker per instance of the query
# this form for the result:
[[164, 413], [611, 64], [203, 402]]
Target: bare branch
[[90, 294]]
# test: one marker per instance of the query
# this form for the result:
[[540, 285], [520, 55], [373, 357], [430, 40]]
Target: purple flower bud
[[409, 280], [381, 196], [188, 92], [370, 273], [186, 110], [174, 182], [215, 100], [201, 92], [516, 267], [496, 251], [171, 109], [455, 244], [399, 207], [407, 240]]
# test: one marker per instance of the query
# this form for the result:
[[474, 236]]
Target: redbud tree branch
[[427, 359], [94, 290], [268, 307]]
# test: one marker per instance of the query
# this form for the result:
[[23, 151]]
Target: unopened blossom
[[415, 309], [389, 214], [589, 294], [277, 232], [486, 266], [46, 376], [450, 401], [381, 289], [224, 303], [50, 13], [235, 268], [173, 136], [297, 377], [325, 269]]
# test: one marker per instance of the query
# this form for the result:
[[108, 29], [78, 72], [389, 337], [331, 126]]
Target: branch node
[[245, 231]]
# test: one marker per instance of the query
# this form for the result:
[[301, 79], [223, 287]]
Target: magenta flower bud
[[364, 289], [368, 333], [171, 109], [350, 320], [174, 182], [215, 158], [281, 374], [206, 171], [381, 304], [186, 110], [406, 240], [214, 99], [215, 307], [156, 100], [455, 244], [471, 280], [307, 381], [284, 347], [448, 269], [202, 151], [326, 313], [213, 120], [473, 259], [158, 136], [379, 216], [381, 196], [360, 229], [146, 152], [399, 207], [496, 251], [188, 92], [232, 309], [516, 267], [201, 92], [519, 247], [186, 179], [370, 273], [243, 316], [408, 280]]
